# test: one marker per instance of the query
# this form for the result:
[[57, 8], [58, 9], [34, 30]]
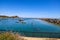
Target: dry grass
[[10, 36]]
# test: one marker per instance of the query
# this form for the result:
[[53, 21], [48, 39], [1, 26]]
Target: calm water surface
[[28, 25]]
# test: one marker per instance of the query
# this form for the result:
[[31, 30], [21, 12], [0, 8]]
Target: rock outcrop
[[14, 17], [54, 21]]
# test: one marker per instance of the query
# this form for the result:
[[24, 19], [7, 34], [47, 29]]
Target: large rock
[[14, 17]]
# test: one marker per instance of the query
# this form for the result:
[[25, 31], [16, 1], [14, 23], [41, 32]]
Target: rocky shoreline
[[54, 21]]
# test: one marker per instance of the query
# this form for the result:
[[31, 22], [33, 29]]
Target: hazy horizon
[[31, 8]]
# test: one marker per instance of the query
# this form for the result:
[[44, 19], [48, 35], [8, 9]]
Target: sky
[[31, 8]]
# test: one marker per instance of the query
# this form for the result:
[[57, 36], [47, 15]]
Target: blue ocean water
[[29, 27]]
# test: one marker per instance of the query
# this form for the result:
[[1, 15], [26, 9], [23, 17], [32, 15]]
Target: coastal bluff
[[3, 16]]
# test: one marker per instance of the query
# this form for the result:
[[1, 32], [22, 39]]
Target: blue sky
[[31, 8]]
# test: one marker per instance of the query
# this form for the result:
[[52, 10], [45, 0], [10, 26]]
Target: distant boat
[[21, 20]]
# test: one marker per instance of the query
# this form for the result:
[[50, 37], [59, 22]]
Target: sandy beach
[[32, 38]]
